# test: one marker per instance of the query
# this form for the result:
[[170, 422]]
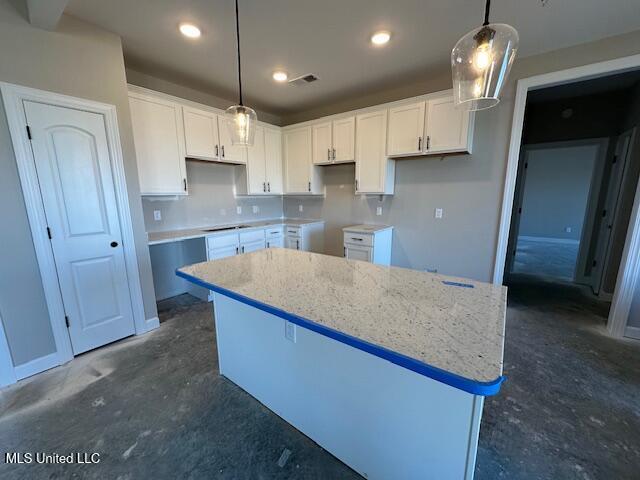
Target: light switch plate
[[239, 210], [255, 208], [300, 208], [290, 331], [379, 211], [439, 213], [157, 215]]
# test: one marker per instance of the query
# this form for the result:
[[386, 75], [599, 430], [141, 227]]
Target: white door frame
[[13, 97], [630, 263]]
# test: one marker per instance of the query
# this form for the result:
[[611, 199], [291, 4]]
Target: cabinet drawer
[[251, 236], [218, 241], [358, 239], [293, 231], [273, 232]]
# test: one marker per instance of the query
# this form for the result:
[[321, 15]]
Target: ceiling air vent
[[303, 79]]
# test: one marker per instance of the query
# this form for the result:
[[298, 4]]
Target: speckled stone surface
[[366, 228], [155, 238], [457, 329]]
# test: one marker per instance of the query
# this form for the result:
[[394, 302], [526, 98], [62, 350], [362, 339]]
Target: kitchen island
[[384, 367]]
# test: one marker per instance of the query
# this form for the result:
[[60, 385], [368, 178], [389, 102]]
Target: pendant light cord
[[486, 12], [238, 40]]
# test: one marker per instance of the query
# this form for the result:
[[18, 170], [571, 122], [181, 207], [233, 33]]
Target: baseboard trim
[[152, 324], [568, 241], [37, 365], [632, 332]]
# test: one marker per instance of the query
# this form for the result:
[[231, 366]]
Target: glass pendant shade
[[481, 61], [241, 122]]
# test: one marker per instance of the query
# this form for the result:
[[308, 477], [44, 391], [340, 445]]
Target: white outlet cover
[[255, 208], [290, 331], [239, 210], [157, 215], [568, 229], [300, 208], [439, 213], [379, 211]]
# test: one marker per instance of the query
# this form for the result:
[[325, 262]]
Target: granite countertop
[[366, 228], [455, 325], [155, 238]]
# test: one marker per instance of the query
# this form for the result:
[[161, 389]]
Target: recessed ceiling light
[[380, 38], [280, 76], [189, 30]]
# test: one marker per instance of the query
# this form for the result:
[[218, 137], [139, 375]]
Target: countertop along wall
[[81, 60], [468, 187]]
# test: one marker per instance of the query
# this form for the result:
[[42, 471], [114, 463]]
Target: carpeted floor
[[155, 407]]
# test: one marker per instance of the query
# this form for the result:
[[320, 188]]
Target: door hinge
[[49, 233], [66, 321], [29, 132]]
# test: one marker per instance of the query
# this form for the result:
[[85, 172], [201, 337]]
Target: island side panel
[[382, 420]]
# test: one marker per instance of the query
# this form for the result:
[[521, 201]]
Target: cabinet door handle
[[309, 186], [428, 142], [297, 244], [356, 184], [264, 186], [268, 186], [268, 245], [345, 251], [419, 143], [357, 239], [237, 250], [329, 154], [222, 148], [334, 153], [242, 248], [184, 183], [217, 151]]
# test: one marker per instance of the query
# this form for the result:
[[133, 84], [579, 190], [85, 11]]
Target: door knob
[[114, 244]]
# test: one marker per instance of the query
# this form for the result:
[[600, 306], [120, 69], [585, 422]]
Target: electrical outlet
[[439, 213], [255, 208], [290, 331], [300, 208], [223, 212], [239, 210], [568, 229], [379, 211], [157, 215]]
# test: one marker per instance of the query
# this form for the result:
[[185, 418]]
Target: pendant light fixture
[[241, 120], [481, 61]]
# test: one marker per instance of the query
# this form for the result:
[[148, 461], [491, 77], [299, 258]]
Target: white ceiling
[[331, 39]]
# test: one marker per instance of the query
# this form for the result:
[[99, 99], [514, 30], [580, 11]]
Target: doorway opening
[[576, 184]]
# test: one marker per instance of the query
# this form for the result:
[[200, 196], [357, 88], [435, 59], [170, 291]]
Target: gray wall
[[80, 60], [210, 201], [468, 187], [556, 191]]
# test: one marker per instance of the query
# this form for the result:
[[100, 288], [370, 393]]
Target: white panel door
[[357, 252], [322, 144], [256, 165], [273, 160], [229, 152], [344, 140], [159, 140], [292, 242], [275, 242], [447, 126], [252, 247], [297, 160], [200, 133], [74, 172], [370, 152], [406, 129], [222, 252]]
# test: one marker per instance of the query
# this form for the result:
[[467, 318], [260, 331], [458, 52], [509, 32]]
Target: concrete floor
[[546, 259], [154, 406]]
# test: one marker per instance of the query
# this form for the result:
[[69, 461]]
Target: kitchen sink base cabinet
[[381, 419]]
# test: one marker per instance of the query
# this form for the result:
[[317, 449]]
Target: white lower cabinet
[[275, 242], [368, 243]]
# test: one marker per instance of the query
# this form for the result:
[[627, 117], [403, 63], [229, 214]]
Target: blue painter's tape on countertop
[[461, 383]]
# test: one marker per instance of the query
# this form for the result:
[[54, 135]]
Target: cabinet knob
[[222, 148], [264, 186], [114, 244]]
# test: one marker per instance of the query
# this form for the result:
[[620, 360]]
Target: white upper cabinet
[[344, 140], [201, 134], [273, 160], [334, 142], [406, 129], [428, 127], [449, 129], [263, 172], [322, 144], [159, 142], [375, 173], [229, 152], [301, 176]]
